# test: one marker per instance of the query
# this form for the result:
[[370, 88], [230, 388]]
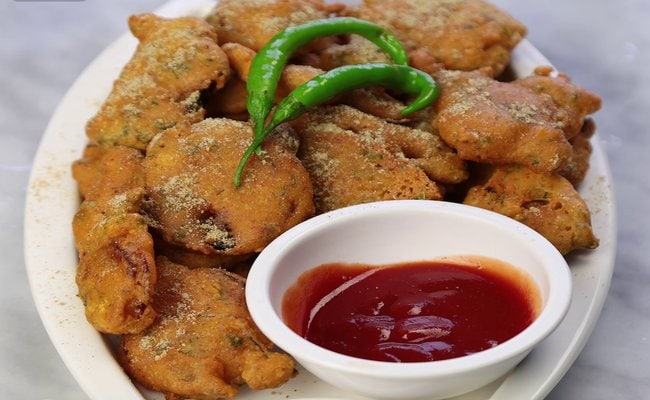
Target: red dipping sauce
[[412, 312]]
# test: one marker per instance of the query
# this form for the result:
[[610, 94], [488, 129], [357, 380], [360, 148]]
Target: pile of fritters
[[165, 239]]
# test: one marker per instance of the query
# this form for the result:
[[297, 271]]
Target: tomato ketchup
[[411, 312]]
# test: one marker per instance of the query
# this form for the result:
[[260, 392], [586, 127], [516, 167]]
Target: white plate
[[51, 259]]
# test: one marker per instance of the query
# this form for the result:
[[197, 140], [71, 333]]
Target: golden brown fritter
[[356, 50], [181, 54], [107, 171], [240, 58], [546, 202], [500, 123], [229, 100], [575, 169], [461, 34], [353, 158], [293, 76], [422, 60], [253, 23], [159, 87], [116, 272], [191, 198], [575, 101], [111, 181], [203, 344]]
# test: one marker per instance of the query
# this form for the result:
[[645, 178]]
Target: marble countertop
[[602, 45]]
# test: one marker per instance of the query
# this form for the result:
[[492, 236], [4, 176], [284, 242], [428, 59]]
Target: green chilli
[[267, 66], [334, 82]]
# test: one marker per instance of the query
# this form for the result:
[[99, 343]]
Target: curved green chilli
[[334, 82], [269, 62]]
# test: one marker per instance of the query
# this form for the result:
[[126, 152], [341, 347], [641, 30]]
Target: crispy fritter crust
[[355, 50], [528, 122], [158, 88], [461, 34], [353, 158], [229, 100], [232, 18], [102, 172], [111, 182], [116, 273], [204, 342], [241, 57], [500, 123], [191, 199], [577, 166], [546, 202], [575, 101]]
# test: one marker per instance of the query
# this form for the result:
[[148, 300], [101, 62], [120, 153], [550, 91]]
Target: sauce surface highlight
[[412, 312]]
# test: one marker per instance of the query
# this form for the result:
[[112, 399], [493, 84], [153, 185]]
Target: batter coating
[[546, 202], [232, 18], [192, 202], [527, 122], [103, 172], [355, 50], [159, 87], [353, 158], [500, 123], [203, 344], [116, 272], [577, 166], [575, 101], [460, 34]]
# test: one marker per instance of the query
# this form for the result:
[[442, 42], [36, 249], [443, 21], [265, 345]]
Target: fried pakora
[[546, 202], [116, 272], [575, 169], [159, 87], [105, 172], [528, 122], [353, 157], [293, 75], [203, 344], [111, 182], [232, 19], [575, 101], [355, 50], [192, 202], [229, 100], [500, 123], [460, 34]]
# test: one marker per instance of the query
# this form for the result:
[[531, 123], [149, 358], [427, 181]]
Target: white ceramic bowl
[[400, 231]]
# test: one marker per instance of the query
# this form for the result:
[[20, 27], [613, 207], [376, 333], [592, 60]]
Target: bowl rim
[[272, 325]]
